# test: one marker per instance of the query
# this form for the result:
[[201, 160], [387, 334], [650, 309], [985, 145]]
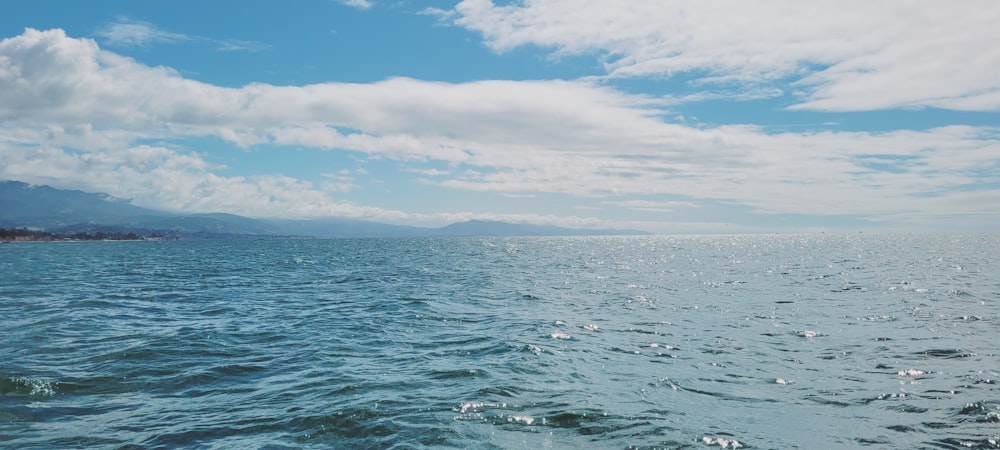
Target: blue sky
[[671, 117]]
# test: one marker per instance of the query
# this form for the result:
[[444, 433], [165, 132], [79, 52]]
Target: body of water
[[810, 341]]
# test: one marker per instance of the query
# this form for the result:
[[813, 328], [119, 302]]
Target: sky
[[665, 116]]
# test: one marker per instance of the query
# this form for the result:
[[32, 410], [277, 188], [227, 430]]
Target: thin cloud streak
[[126, 33], [360, 4]]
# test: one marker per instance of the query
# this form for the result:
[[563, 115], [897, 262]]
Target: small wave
[[502, 391], [475, 406], [990, 442], [457, 373], [476, 410], [827, 401], [982, 411], [877, 318], [910, 409], [894, 395], [945, 353], [527, 420], [357, 426]]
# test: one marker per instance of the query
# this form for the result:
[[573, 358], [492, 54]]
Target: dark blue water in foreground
[[822, 341]]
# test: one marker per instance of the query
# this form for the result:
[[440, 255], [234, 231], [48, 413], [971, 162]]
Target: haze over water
[[777, 341]]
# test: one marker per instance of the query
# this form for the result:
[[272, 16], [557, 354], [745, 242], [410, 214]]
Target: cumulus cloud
[[843, 55], [72, 111]]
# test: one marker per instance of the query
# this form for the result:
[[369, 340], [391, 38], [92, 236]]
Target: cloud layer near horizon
[[89, 118]]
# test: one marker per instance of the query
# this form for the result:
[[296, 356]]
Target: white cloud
[[430, 172], [846, 55], [437, 12], [163, 178], [70, 111], [342, 181]]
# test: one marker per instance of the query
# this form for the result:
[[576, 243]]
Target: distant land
[[69, 212]]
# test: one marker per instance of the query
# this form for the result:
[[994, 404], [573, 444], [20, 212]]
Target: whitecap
[[782, 381], [722, 442], [474, 406], [561, 336], [32, 386], [527, 420], [590, 327], [470, 405], [911, 373]]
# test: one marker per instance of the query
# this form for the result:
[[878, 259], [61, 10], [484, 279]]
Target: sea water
[[756, 341]]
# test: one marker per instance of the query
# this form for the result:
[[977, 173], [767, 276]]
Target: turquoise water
[[812, 341]]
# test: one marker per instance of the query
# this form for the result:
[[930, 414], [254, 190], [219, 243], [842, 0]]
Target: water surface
[[812, 341]]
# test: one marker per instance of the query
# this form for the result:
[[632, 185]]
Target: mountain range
[[69, 211]]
